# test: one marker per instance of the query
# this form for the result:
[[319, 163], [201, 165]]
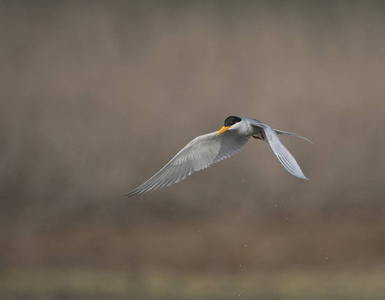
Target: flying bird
[[207, 149]]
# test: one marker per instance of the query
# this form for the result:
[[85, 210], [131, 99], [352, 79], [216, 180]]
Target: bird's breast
[[245, 131]]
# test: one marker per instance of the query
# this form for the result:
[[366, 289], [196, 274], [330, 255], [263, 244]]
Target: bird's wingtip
[[300, 176], [128, 195]]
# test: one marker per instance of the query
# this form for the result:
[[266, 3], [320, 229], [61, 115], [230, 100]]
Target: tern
[[207, 149]]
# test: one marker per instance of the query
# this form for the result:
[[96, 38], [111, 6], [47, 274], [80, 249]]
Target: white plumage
[[207, 149]]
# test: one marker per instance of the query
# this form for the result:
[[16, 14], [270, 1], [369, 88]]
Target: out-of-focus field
[[98, 96], [118, 284], [281, 259]]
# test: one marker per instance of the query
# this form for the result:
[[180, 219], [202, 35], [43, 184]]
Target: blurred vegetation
[[118, 284], [97, 96]]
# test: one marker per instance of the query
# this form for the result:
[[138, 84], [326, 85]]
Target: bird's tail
[[291, 133]]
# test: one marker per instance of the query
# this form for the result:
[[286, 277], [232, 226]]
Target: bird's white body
[[210, 148], [244, 128]]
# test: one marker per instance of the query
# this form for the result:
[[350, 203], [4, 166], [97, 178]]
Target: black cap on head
[[232, 120]]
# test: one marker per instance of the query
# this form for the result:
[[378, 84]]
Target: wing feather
[[200, 153], [283, 155]]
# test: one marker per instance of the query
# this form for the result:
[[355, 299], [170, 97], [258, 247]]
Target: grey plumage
[[210, 148]]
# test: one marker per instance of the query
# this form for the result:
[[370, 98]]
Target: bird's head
[[231, 123]]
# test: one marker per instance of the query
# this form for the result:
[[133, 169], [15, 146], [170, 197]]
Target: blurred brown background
[[97, 96]]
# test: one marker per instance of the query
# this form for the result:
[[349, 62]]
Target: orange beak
[[223, 129]]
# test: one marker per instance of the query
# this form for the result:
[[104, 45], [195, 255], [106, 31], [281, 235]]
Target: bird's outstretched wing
[[283, 155], [199, 154]]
